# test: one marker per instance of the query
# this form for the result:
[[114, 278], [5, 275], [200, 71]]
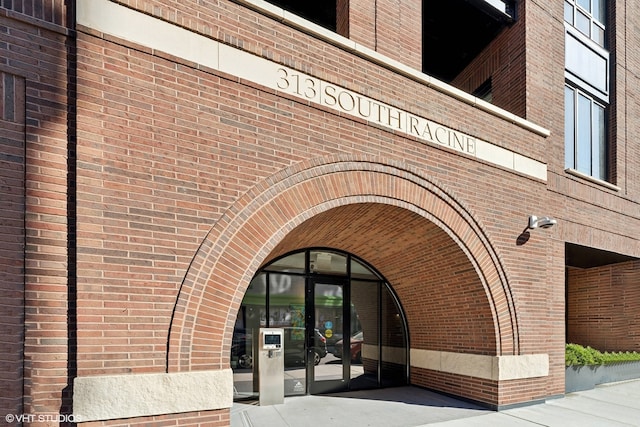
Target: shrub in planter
[[627, 356], [588, 367], [577, 355]]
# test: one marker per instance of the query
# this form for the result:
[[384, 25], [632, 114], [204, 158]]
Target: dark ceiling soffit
[[586, 257]]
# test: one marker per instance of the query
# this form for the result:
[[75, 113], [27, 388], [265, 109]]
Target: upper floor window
[[585, 134], [587, 63], [588, 17], [484, 91]]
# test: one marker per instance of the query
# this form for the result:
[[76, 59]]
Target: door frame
[[334, 385]]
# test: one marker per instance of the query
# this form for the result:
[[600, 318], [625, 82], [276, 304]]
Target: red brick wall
[[504, 62], [394, 29], [43, 12], [603, 307], [394, 243], [189, 419], [510, 60], [626, 108], [12, 240], [150, 187], [361, 15], [37, 130], [445, 303], [493, 393], [169, 154], [399, 31], [469, 387], [455, 317], [342, 17]]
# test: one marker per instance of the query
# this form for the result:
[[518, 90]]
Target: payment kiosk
[[271, 366]]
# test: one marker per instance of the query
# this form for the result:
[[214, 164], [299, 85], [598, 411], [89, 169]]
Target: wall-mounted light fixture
[[541, 222]]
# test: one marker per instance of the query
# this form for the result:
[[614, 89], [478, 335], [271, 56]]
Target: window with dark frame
[[588, 17], [585, 134], [586, 89]]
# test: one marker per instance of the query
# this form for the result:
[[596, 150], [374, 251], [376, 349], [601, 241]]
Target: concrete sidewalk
[[616, 404]]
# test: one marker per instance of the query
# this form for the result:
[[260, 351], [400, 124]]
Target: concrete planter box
[[578, 378]]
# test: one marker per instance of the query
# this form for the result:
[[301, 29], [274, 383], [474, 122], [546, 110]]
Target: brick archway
[[242, 239]]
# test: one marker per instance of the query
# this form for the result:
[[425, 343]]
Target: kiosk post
[[271, 366]]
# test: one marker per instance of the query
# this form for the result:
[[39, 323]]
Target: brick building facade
[[159, 157]]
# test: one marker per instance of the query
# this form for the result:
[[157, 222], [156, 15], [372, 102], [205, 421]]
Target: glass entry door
[[328, 322], [344, 328]]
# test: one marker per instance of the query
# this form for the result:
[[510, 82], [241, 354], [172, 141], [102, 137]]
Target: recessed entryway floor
[[616, 404]]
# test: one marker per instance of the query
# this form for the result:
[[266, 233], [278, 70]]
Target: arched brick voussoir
[[241, 240]]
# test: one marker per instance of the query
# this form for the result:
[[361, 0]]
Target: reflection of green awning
[[275, 300], [253, 300], [328, 302], [288, 300]]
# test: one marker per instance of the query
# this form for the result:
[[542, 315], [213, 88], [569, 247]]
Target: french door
[[328, 319]]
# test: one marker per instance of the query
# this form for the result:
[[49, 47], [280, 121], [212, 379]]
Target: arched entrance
[[381, 212], [344, 327]]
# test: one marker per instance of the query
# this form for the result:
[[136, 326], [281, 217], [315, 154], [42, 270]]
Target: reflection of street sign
[[328, 333], [328, 324]]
